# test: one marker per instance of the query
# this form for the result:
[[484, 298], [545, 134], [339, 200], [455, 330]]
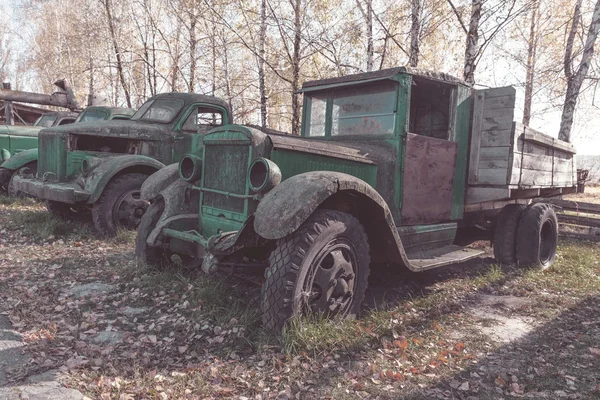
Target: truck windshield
[[45, 120], [356, 110], [91, 115], [158, 110]]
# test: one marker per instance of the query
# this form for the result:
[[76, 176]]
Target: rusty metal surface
[[428, 180], [64, 97]]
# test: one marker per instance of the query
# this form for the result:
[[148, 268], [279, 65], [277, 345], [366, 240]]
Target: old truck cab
[[384, 173]]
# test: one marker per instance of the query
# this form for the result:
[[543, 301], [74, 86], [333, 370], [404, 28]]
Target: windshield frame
[[148, 105], [97, 110], [46, 116]]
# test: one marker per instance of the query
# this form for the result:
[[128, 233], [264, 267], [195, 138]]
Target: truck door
[[433, 149]]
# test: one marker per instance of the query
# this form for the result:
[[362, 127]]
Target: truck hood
[[16, 130], [361, 151], [120, 128]]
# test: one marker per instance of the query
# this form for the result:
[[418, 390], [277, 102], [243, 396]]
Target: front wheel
[[322, 268], [120, 205], [12, 190], [537, 236]]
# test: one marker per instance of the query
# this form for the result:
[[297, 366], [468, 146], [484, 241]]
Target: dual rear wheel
[[526, 235]]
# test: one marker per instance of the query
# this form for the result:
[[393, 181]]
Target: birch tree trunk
[[113, 36], [262, 37], [575, 80], [472, 49], [368, 16], [415, 30], [296, 5], [370, 47], [531, 59], [193, 46]]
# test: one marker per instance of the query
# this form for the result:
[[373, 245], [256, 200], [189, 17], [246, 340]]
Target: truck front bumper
[[68, 192]]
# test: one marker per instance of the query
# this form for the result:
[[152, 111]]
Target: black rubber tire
[[5, 177], [537, 237], [150, 256], [290, 262], [102, 211], [12, 191], [505, 234]]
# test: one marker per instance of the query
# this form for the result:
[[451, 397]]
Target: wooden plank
[[591, 208], [485, 164], [551, 192], [482, 194], [531, 177], [500, 122], [496, 138], [497, 112], [540, 138], [494, 153], [492, 205], [475, 137], [492, 176], [525, 193], [578, 220], [503, 101], [580, 236], [501, 91]]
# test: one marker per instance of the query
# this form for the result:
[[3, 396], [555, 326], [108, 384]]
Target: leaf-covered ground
[[474, 331]]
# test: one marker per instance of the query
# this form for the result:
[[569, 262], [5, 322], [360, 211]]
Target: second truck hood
[[119, 128]]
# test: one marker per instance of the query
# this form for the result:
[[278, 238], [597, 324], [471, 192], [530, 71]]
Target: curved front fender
[[99, 177], [20, 159], [159, 181], [289, 204]]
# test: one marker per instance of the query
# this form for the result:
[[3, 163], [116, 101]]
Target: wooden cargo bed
[[511, 161]]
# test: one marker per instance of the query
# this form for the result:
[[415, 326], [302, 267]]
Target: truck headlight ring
[[88, 163], [263, 175], [190, 168]]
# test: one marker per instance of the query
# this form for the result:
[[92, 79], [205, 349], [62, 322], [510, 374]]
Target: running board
[[442, 256]]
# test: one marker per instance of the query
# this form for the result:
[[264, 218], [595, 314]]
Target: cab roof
[[383, 74]]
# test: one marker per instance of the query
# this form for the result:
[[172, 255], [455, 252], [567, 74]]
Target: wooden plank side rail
[[590, 208], [574, 225]]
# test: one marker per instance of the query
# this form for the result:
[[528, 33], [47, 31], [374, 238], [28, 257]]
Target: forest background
[[256, 53]]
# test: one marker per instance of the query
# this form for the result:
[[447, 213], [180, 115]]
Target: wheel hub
[[329, 285], [128, 211]]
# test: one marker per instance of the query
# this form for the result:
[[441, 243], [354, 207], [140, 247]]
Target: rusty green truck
[[99, 166], [22, 142], [398, 167]]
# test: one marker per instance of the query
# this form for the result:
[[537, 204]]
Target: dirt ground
[[78, 309]]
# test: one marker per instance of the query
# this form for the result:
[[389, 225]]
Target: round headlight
[[190, 168], [88, 163], [263, 175]]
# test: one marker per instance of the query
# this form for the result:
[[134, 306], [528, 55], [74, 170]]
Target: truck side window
[[202, 119], [364, 110], [430, 108], [318, 108]]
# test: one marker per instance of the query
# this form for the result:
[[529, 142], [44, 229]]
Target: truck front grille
[[52, 155], [225, 168]]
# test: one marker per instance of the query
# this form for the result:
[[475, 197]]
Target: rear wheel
[[31, 169], [321, 268], [505, 235], [537, 237], [120, 204]]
